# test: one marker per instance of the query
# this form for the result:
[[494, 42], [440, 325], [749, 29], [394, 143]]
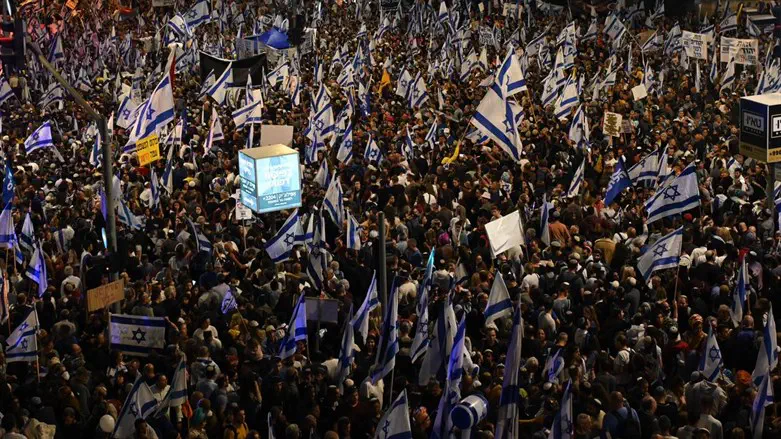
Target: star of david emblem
[[660, 251], [348, 144], [150, 113], [671, 193], [289, 239], [404, 83], [714, 354], [316, 251], [35, 136], [126, 113], [134, 410], [415, 94], [23, 326], [192, 13], [319, 124], [386, 427], [139, 335], [373, 154], [24, 343], [508, 126]]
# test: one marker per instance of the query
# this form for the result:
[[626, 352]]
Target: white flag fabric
[[505, 233], [711, 359], [509, 401], [218, 90], [361, 319], [767, 359], [388, 346], [36, 270], [22, 342], [353, 232], [577, 180], [40, 138], [296, 330], [139, 404], [676, 196], [394, 424], [664, 253], [136, 335], [177, 394], [154, 114], [499, 303], [333, 201], [763, 399], [739, 295], [281, 245]]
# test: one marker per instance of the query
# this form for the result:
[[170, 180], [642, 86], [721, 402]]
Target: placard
[[148, 150], [695, 45], [71, 4], [510, 10], [505, 233], [243, 212], [611, 125], [486, 36], [323, 310], [104, 295], [745, 51], [276, 134], [639, 92]]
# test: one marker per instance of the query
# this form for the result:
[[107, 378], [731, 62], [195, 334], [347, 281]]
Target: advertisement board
[[270, 178], [760, 127]]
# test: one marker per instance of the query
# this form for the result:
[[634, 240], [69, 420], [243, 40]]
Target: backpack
[[628, 427]]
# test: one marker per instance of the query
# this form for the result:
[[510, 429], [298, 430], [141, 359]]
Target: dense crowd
[[628, 350]]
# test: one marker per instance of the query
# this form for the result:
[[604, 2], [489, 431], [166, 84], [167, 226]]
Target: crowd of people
[[603, 348]]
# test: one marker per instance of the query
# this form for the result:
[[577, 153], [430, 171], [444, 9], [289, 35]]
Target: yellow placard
[[71, 4], [148, 150], [105, 295], [612, 124]]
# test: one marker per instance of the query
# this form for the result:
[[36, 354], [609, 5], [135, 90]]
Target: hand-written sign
[[148, 150], [611, 126], [104, 295], [695, 45], [745, 51]]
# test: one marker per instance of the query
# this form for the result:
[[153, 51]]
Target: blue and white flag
[[177, 394], [395, 424], [403, 84], [421, 340], [96, 154], [7, 233], [613, 27], [322, 115], [408, 148], [440, 344], [9, 184], [202, 243], [499, 303], [579, 132], [451, 394], [577, 180], [544, 220], [353, 232], [28, 240], [728, 79], [346, 352], [198, 15], [763, 399], [323, 177], [333, 201], [510, 399], [664, 253], [136, 335], [554, 365], [6, 92], [219, 89], [752, 29], [22, 342], [618, 182], [418, 94], [767, 359], [388, 346], [510, 77], [676, 196], [40, 138], [296, 330], [361, 320], [167, 179], [496, 119], [36, 270], [127, 217], [372, 153], [127, 112], [279, 75], [250, 113], [155, 113], [229, 303], [139, 404], [739, 294], [154, 188], [729, 23], [711, 358], [345, 153], [56, 52], [568, 100], [281, 245], [563, 422]]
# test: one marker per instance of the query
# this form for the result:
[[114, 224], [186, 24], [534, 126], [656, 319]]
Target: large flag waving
[[767, 359], [711, 359], [296, 330], [361, 320], [665, 253], [139, 404], [675, 196], [499, 303], [509, 401], [388, 346], [421, 340], [23, 343], [394, 424]]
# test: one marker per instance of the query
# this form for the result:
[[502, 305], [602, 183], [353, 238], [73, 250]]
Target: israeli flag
[[499, 303], [201, 242], [675, 196], [278, 75], [28, 241], [7, 234], [664, 253], [360, 321], [568, 100], [155, 113], [652, 43], [452, 392], [763, 399], [40, 138], [647, 169], [510, 399], [22, 342], [333, 201], [218, 90], [127, 112], [544, 214], [495, 118], [372, 152], [9, 185], [577, 180], [421, 340], [613, 27], [711, 359], [353, 232], [251, 113], [323, 115], [96, 156], [729, 23], [127, 217], [323, 177], [403, 84], [345, 153], [767, 359], [346, 352], [229, 303], [179, 28], [554, 364], [6, 92], [36, 271], [167, 179], [408, 149], [591, 32], [579, 128], [296, 330], [444, 15], [136, 335], [177, 394], [752, 29], [418, 95], [198, 15], [739, 295], [56, 52], [618, 182], [728, 79], [139, 404], [563, 422], [281, 245], [395, 424]]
